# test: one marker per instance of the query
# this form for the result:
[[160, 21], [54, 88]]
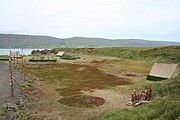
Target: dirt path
[[4, 83]]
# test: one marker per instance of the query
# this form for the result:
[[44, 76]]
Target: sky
[[115, 19]]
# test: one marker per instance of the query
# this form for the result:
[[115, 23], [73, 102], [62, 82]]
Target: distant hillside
[[32, 41], [101, 42], [28, 41], [168, 54]]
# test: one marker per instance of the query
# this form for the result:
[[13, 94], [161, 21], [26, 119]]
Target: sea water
[[21, 51]]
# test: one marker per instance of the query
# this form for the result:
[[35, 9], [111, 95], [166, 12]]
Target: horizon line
[[40, 35]]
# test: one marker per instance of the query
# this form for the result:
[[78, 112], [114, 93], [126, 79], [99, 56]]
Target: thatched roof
[[49, 56]]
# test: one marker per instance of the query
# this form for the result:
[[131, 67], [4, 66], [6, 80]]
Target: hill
[[33, 41], [28, 41], [167, 54]]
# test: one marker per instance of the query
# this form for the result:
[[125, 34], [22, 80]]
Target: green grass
[[4, 58], [170, 54], [165, 108], [71, 79], [131, 65], [3, 112]]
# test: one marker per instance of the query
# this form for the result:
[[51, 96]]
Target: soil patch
[[82, 101]]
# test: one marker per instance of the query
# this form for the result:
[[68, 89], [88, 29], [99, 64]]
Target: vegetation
[[170, 54], [165, 106], [83, 101], [3, 112], [68, 57], [4, 58], [71, 79]]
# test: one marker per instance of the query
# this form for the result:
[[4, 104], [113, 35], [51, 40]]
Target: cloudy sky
[[146, 19]]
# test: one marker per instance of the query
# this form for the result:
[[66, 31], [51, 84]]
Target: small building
[[60, 53], [50, 56], [43, 58], [163, 71]]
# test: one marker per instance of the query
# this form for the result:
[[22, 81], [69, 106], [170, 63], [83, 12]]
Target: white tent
[[60, 53], [165, 70]]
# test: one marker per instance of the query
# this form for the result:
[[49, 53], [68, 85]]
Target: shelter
[[163, 71], [49, 56], [60, 53], [43, 58]]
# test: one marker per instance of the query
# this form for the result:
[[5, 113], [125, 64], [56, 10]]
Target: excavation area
[[92, 84], [70, 80], [80, 89]]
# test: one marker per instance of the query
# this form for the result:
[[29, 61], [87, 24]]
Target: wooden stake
[[11, 78], [24, 69]]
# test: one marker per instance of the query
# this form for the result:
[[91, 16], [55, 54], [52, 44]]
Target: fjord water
[[21, 51]]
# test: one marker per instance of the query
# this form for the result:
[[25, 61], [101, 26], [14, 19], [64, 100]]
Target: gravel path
[[4, 83]]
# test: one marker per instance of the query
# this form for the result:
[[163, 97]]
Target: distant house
[[60, 53], [43, 58], [45, 51], [163, 71], [15, 55]]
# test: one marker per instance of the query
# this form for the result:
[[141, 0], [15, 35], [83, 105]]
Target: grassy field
[[84, 86], [69, 80], [99, 85], [165, 54]]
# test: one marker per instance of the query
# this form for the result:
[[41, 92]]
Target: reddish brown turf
[[82, 101], [80, 78]]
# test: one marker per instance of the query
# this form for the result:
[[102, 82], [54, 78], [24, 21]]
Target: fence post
[[11, 77]]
